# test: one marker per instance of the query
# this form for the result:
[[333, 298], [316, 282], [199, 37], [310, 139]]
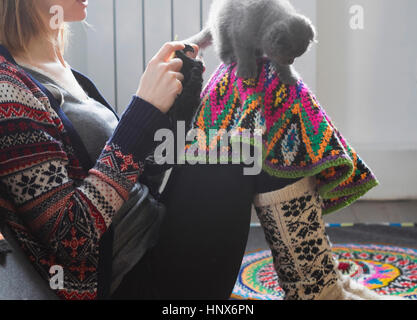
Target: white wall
[[91, 49], [365, 79], [367, 82], [139, 34]]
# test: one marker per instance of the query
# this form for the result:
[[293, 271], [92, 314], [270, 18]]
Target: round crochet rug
[[387, 270]]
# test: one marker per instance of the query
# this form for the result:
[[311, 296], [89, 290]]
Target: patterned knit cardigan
[[298, 137], [58, 209]]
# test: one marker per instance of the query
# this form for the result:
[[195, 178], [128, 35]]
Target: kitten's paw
[[247, 72]]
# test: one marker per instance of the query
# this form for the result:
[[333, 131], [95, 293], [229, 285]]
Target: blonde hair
[[21, 21]]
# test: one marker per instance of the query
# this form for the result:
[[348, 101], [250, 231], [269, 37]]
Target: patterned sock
[[295, 231]]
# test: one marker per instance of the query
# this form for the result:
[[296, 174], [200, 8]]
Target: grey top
[[94, 122], [135, 229]]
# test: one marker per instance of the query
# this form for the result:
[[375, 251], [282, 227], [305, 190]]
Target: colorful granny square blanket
[[298, 137]]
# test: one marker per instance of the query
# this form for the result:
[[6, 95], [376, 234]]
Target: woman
[[69, 168], [64, 211]]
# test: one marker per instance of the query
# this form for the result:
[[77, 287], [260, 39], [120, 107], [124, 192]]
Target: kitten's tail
[[203, 39]]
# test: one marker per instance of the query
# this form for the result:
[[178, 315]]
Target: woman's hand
[[195, 55], [161, 82]]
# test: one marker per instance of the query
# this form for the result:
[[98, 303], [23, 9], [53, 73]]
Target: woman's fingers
[[179, 87], [179, 76], [194, 54], [168, 49], [175, 64], [161, 83]]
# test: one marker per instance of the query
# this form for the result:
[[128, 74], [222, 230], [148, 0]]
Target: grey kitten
[[242, 30]]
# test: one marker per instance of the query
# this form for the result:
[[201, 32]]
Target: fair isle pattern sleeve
[[56, 219]]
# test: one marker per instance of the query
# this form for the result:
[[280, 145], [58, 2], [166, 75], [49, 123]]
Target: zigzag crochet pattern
[[298, 137]]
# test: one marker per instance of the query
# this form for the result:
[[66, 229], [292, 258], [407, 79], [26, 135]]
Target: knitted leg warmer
[[295, 231]]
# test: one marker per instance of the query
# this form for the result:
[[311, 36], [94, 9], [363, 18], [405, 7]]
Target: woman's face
[[72, 10]]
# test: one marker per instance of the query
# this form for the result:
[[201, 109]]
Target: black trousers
[[203, 237]]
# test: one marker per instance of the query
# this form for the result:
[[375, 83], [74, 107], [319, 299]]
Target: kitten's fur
[[242, 30]]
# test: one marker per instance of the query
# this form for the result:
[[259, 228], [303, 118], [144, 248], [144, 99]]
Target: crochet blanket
[[298, 137]]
